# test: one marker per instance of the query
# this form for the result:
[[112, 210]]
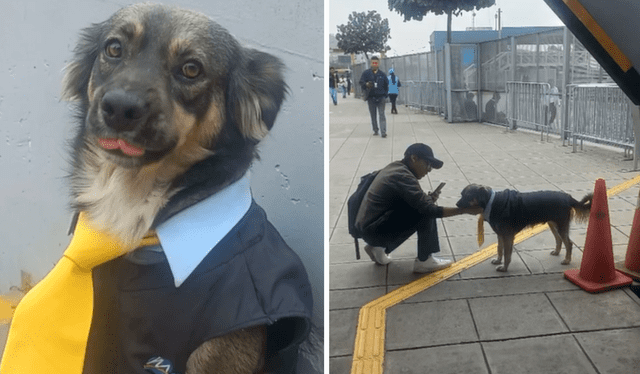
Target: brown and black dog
[[159, 90], [510, 211]]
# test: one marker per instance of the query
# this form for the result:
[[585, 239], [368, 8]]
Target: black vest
[[140, 314]]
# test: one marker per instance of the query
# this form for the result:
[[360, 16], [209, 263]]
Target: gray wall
[[37, 38]]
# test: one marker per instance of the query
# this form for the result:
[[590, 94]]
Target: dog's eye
[[113, 49], [191, 69]]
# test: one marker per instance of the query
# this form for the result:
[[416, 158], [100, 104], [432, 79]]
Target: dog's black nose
[[123, 110]]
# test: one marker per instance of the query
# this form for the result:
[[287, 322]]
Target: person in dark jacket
[[375, 85], [395, 207]]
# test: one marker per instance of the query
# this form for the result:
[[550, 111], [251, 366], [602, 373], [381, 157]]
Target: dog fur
[[158, 90], [553, 207]]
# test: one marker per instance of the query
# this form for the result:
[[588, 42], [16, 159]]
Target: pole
[[635, 114], [565, 83]]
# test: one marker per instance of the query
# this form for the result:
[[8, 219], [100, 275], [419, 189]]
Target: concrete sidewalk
[[530, 320]]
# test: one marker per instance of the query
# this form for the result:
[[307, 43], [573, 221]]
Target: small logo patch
[[159, 365]]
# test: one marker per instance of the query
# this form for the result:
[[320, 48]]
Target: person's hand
[[434, 195], [473, 210], [369, 84]]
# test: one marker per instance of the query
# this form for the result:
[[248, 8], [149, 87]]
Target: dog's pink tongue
[[125, 147]]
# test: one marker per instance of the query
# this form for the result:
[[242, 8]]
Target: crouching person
[[395, 207]]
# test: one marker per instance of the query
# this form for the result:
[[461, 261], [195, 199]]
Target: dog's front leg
[[498, 260], [507, 249]]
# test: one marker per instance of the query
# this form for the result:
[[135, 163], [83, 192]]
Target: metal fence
[[533, 106], [600, 112], [545, 81]]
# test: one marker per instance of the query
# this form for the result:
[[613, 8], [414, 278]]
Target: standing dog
[[171, 109], [510, 211]]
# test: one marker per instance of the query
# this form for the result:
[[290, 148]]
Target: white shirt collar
[[487, 209], [189, 236]]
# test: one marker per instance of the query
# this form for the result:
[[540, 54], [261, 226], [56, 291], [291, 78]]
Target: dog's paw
[[501, 269], [555, 253], [566, 261], [496, 261]]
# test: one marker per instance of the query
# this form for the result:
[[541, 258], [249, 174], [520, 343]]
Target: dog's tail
[[581, 209]]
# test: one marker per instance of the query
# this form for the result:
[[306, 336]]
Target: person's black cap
[[424, 152]]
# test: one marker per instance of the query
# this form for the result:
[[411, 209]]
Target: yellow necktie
[[480, 229], [50, 327]]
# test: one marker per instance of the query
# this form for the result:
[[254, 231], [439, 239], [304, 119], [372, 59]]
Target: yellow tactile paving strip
[[368, 353]]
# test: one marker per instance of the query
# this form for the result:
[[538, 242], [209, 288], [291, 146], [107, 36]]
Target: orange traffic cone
[[597, 272], [631, 264]]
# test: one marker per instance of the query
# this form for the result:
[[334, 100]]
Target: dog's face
[[156, 82], [474, 195]]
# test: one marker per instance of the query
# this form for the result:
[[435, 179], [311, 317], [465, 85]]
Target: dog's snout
[[123, 110]]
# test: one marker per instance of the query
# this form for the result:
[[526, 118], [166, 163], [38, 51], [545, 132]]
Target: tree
[[416, 9], [364, 33]]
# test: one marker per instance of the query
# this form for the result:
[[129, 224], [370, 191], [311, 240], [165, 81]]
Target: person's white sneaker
[[377, 254], [430, 265]]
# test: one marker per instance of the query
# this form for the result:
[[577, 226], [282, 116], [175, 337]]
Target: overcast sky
[[413, 36]]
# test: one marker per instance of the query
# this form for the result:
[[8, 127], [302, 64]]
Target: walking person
[[394, 85], [395, 207], [333, 81], [551, 98], [343, 87], [375, 85]]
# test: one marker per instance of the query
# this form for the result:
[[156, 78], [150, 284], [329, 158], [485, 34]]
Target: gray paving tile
[[474, 288], [583, 311], [462, 246], [401, 272], [342, 253], [357, 275], [486, 269], [429, 324], [340, 235], [4, 332], [343, 331], [457, 359], [506, 317], [340, 365], [460, 227], [551, 354], [542, 262], [544, 239], [613, 351], [354, 298]]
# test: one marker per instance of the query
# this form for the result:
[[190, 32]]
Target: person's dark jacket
[[382, 89], [333, 79], [395, 185]]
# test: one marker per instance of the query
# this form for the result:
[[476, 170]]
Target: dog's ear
[[255, 93], [78, 71]]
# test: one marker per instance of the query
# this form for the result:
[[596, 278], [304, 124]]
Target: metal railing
[[427, 96], [600, 113], [534, 106]]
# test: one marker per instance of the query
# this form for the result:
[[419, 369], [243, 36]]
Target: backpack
[[353, 205]]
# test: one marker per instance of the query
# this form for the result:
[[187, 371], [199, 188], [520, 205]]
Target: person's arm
[[455, 211], [363, 80], [386, 87]]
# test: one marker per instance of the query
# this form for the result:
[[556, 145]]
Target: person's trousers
[[377, 105], [396, 226], [392, 98], [334, 95]]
